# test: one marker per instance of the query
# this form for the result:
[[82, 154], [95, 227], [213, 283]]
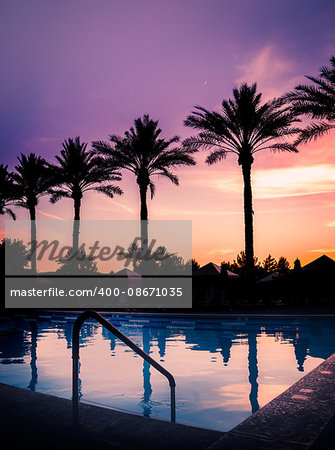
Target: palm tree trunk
[[144, 217], [248, 218], [76, 223], [33, 242]]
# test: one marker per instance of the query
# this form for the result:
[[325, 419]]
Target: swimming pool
[[225, 368]]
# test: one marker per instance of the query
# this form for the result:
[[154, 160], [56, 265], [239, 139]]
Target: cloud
[[273, 73], [110, 208], [331, 224], [223, 251], [322, 250], [294, 181], [195, 212], [52, 216], [282, 182], [38, 141]]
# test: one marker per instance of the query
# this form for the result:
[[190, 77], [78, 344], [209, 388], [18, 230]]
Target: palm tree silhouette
[[243, 127], [316, 101], [33, 178], [144, 153], [8, 191], [79, 171]]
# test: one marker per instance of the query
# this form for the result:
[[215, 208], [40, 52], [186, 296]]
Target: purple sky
[[90, 67]]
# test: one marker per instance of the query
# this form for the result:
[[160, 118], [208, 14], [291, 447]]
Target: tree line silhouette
[[244, 126]]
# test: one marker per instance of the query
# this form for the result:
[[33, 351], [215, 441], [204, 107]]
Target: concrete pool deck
[[301, 417]]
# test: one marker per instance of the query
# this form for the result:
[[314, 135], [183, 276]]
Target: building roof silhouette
[[127, 273], [323, 263], [210, 270]]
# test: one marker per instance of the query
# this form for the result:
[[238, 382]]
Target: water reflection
[[161, 342], [14, 344], [108, 336], [203, 360], [146, 375], [300, 351], [226, 343], [33, 356], [253, 370]]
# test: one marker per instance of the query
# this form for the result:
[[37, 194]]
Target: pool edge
[[293, 420]]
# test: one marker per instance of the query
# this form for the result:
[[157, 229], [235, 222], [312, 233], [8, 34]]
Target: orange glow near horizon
[[293, 198]]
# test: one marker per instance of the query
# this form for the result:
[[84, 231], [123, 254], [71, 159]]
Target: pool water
[[225, 369]]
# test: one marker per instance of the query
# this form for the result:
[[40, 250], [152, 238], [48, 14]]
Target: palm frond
[[283, 147], [167, 174], [152, 189], [58, 194], [316, 101], [216, 156], [314, 131], [109, 190], [10, 212]]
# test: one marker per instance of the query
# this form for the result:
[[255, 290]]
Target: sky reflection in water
[[223, 371]]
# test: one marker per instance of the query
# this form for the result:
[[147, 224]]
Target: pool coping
[[293, 420], [99, 425], [44, 312]]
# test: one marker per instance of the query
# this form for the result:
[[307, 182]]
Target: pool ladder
[[75, 361]]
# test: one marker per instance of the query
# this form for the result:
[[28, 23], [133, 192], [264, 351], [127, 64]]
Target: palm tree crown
[[316, 101], [33, 178], [143, 153], [80, 170], [8, 191], [243, 127]]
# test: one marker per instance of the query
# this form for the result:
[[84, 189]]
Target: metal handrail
[[75, 361]]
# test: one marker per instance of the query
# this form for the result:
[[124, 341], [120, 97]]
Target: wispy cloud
[[322, 250], [222, 251], [31, 143], [195, 212], [293, 181], [270, 69], [111, 206], [52, 216], [283, 182]]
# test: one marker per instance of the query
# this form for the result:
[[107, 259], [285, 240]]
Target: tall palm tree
[[79, 171], [8, 191], [33, 178], [243, 127], [316, 101], [145, 154]]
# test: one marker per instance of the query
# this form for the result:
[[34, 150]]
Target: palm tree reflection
[[146, 375], [253, 370], [300, 350], [33, 355]]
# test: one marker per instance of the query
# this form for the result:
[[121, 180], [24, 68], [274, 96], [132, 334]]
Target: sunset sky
[[90, 67]]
